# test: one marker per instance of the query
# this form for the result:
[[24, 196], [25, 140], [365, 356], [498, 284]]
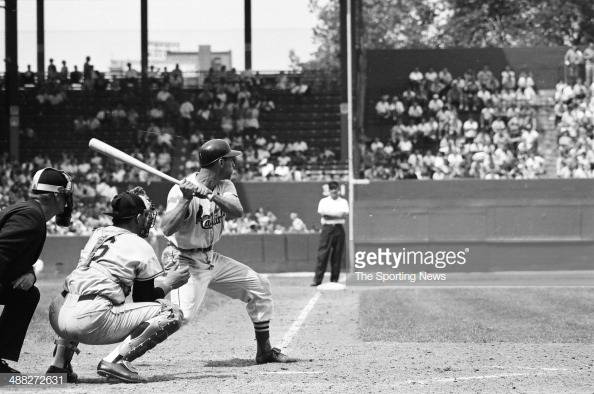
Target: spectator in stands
[[177, 78], [299, 88], [186, 111], [580, 91], [382, 108], [415, 112], [435, 105], [282, 81], [573, 60], [508, 78], [28, 77], [63, 76], [52, 72], [88, 73], [589, 64], [164, 95], [397, 108], [484, 77], [131, 77], [416, 78], [165, 76], [99, 81], [430, 76], [445, 77], [297, 225], [75, 76], [153, 76]]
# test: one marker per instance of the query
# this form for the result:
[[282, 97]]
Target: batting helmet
[[213, 150]]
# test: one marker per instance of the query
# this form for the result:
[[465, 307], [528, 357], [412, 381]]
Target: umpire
[[333, 209], [22, 236]]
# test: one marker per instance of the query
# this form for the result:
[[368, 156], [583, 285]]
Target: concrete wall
[[539, 224], [264, 253]]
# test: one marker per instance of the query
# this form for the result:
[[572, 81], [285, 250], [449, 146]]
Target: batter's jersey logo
[[209, 221]]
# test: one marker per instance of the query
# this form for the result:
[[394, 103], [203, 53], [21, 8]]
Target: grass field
[[476, 339], [478, 315]]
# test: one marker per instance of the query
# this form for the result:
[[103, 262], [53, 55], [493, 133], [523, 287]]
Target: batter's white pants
[[98, 321], [222, 274]]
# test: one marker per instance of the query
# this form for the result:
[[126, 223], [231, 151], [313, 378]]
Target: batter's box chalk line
[[294, 329]]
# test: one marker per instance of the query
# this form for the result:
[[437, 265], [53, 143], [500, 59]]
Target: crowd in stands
[[93, 193], [174, 122], [265, 222], [470, 126], [574, 121]]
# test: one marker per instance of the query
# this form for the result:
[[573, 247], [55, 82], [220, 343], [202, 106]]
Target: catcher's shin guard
[[63, 353], [150, 333]]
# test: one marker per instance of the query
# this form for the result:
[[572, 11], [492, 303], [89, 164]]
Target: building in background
[[163, 54]]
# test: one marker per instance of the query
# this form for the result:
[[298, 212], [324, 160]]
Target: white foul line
[[477, 377], [300, 319]]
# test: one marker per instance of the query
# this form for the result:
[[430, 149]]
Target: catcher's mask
[[51, 180], [134, 204]]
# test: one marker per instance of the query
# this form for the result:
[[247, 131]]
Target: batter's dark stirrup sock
[[262, 334]]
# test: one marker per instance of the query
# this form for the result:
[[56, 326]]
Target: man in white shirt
[[333, 210]]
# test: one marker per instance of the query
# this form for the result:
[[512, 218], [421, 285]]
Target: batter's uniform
[[192, 246], [92, 308]]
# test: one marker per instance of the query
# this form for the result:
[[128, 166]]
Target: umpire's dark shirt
[[22, 235]]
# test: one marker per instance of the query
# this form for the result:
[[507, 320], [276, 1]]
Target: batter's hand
[[24, 282], [190, 189], [178, 277], [201, 191], [187, 189]]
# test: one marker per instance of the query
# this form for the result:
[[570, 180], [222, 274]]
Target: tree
[[390, 24], [386, 24], [476, 23]]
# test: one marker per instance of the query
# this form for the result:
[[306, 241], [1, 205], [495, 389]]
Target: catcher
[[91, 309]]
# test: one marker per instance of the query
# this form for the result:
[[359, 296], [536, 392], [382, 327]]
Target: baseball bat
[[114, 153]]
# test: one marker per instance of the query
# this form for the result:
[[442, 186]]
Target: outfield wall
[[506, 225], [263, 252]]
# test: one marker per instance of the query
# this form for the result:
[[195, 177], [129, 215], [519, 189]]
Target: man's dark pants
[[19, 306], [331, 244]]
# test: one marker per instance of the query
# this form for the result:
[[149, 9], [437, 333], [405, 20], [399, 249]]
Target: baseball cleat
[[71, 376], [121, 370], [274, 355], [5, 368]]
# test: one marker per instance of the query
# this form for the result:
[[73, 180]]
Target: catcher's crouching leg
[[143, 338], [152, 332], [63, 353]]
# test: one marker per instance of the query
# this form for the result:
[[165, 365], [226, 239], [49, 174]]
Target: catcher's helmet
[[213, 150]]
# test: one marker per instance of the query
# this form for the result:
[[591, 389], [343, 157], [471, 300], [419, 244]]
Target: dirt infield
[[332, 349]]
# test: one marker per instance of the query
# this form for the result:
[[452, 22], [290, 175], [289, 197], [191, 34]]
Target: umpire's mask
[[50, 180]]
